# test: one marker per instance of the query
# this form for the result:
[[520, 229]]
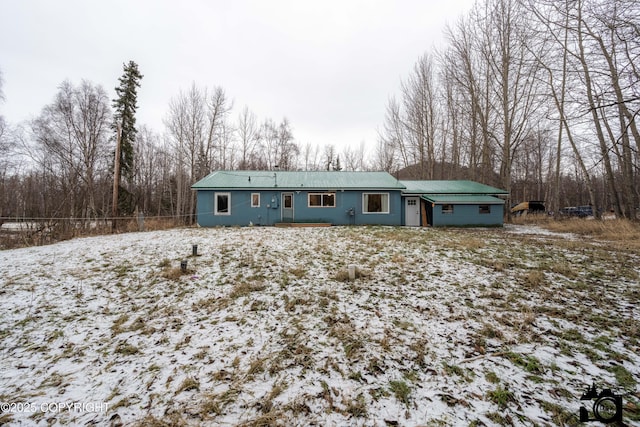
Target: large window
[[222, 204], [255, 200], [322, 200], [375, 203]]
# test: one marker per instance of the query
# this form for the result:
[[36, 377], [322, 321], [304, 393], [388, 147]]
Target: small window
[[255, 200], [222, 204], [447, 209], [288, 201], [375, 203], [484, 209], [411, 202], [322, 200]]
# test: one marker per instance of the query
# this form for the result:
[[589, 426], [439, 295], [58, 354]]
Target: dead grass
[[175, 273], [343, 274], [364, 334], [534, 278], [189, 383], [621, 231], [245, 288], [273, 418], [172, 420]]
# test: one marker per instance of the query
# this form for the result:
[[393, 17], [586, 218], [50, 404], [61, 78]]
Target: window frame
[[255, 205], [216, 211], [484, 209], [365, 208], [323, 197], [449, 208]]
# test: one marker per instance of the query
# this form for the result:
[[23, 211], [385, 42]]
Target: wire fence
[[35, 231]]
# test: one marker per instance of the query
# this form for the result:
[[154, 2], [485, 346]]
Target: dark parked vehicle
[[579, 211]]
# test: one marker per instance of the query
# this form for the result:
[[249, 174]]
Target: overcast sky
[[328, 66]]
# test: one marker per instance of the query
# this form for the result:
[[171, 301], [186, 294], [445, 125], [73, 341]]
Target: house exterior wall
[[467, 215], [269, 211]]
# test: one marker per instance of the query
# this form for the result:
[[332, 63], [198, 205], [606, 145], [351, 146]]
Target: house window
[[222, 204], [322, 200], [255, 200], [375, 203], [484, 209], [411, 202], [288, 200], [447, 209]]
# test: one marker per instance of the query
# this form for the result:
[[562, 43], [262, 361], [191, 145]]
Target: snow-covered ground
[[441, 327]]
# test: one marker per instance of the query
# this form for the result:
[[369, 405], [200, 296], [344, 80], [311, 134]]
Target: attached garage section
[[453, 203], [463, 210]]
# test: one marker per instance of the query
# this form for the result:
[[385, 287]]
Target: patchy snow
[[537, 230], [265, 330]]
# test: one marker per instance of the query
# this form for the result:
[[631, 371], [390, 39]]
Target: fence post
[[140, 221]]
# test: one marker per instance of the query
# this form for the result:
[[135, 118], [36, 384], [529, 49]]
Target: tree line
[[539, 97], [60, 165]]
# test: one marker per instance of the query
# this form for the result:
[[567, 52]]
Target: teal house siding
[[458, 203], [348, 209], [241, 212], [468, 215], [241, 198]]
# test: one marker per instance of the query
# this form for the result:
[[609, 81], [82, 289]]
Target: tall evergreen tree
[[125, 106]]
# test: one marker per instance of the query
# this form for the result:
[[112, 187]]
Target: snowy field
[[471, 327]]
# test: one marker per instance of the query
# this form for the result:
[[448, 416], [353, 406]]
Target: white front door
[[412, 211]]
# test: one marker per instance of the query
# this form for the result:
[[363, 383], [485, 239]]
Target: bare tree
[[288, 149], [148, 170], [421, 115], [470, 72], [198, 125], [393, 141], [214, 150], [249, 140], [3, 125], [71, 135], [310, 156], [280, 147], [384, 159], [514, 88], [178, 127], [353, 159], [329, 156]]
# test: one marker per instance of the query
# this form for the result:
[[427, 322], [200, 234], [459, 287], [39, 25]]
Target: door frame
[[283, 217], [415, 222]]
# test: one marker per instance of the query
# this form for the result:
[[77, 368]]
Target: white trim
[[321, 194], [252, 204], [283, 196], [412, 211], [388, 207], [215, 203]]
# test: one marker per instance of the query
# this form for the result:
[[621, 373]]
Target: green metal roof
[[468, 199], [449, 187], [325, 180]]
